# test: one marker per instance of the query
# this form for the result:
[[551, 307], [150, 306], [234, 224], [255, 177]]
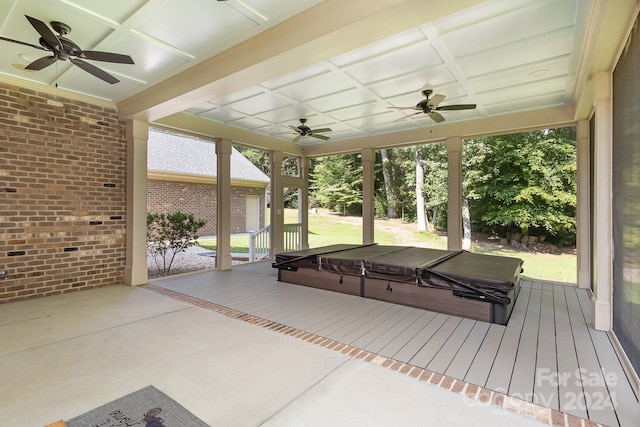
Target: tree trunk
[[420, 211], [434, 218], [390, 191], [466, 224]]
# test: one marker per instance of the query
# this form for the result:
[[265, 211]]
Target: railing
[[260, 241], [292, 237], [259, 244]]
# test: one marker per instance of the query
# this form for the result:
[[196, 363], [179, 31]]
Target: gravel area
[[184, 262]]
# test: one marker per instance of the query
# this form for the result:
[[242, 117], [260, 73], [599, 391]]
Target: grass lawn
[[556, 267], [327, 228]]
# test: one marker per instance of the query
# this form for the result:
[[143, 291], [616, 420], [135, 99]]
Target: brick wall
[[200, 200], [62, 194]]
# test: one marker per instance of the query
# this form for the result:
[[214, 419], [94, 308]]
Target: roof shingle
[[173, 153]]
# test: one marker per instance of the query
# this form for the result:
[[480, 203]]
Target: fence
[[260, 241]]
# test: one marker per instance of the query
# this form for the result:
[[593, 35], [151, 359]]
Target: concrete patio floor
[[64, 355]]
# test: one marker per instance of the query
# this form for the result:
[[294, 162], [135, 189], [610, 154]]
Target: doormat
[[147, 407]]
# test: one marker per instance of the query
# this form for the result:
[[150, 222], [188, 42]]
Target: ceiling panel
[[194, 26], [222, 115], [78, 81], [389, 44], [358, 111], [261, 103], [116, 11], [412, 83], [533, 22], [528, 73], [151, 61], [250, 123], [512, 105], [338, 101], [317, 86], [530, 90], [503, 55], [290, 113], [418, 56], [514, 55]]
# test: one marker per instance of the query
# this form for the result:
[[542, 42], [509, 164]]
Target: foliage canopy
[[522, 182]]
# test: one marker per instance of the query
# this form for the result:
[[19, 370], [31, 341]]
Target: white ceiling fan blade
[[436, 117], [435, 100]]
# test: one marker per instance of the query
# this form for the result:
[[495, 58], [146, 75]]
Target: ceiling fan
[[304, 130], [63, 49], [431, 106]]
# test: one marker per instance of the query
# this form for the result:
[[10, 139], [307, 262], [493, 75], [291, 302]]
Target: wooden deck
[[547, 353]]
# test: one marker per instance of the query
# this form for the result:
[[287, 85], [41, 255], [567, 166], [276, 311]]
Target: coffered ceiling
[[252, 68]]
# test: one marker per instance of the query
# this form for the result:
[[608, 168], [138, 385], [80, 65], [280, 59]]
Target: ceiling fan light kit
[[63, 49]]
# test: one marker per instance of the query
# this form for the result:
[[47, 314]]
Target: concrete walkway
[[63, 355]]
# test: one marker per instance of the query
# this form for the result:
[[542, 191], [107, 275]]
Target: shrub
[[170, 234]]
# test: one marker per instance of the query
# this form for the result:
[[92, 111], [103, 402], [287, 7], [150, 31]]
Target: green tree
[[260, 159], [170, 234], [336, 183], [525, 181], [389, 174], [434, 159]]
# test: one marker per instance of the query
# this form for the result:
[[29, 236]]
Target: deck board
[[566, 357], [398, 313], [350, 333], [443, 358], [622, 398], [522, 378], [548, 333], [460, 363], [393, 340], [478, 371], [546, 392], [500, 376], [436, 343], [353, 316], [415, 344], [588, 363], [405, 317]]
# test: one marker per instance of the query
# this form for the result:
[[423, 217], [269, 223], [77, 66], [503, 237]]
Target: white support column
[[135, 272], [454, 191], [603, 203], [583, 209], [303, 201], [223, 211], [368, 190], [277, 204]]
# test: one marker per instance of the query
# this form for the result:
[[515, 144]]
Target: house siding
[[62, 194], [200, 200]]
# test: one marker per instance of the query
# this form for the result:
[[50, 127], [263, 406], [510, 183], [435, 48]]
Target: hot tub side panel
[[320, 279], [427, 298]]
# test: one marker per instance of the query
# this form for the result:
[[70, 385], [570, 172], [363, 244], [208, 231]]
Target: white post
[[223, 211], [368, 190], [603, 203], [583, 211], [135, 272], [454, 191]]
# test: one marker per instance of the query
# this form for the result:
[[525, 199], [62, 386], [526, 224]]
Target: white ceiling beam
[[198, 126], [497, 125], [330, 28]]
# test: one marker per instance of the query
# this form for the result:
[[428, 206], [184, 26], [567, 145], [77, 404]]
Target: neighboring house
[[182, 176]]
